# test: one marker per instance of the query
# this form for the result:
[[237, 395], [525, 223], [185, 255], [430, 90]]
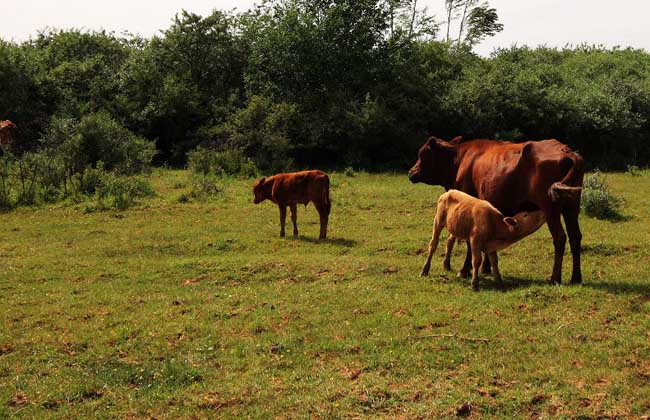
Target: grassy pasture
[[199, 310]]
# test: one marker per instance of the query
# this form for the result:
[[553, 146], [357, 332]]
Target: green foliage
[[301, 83], [598, 201], [98, 137], [228, 162], [120, 193]]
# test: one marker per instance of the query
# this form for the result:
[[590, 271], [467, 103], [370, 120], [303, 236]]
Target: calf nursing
[[296, 188], [482, 225]]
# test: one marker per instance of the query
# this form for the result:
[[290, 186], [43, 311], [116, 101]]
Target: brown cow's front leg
[[467, 265], [575, 238], [294, 219], [559, 243], [283, 218]]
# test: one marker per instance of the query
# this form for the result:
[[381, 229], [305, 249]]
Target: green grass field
[[199, 310]]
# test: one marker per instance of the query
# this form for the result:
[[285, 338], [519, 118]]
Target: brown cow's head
[[258, 191], [435, 159]]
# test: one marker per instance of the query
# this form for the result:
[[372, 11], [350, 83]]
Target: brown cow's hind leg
[[294, 219], [575, 238], [283, 218], [559, 243]]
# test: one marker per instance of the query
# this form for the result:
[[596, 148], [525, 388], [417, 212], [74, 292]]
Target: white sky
[[531, 22]]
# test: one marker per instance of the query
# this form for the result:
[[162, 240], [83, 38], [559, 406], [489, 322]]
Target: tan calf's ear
[[509, 221]]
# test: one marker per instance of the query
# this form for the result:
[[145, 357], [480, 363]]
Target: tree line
[[298, 83]]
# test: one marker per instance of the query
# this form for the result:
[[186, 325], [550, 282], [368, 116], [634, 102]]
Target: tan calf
[[482, 225]]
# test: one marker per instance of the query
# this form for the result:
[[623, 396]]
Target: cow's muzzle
[[414, 175]]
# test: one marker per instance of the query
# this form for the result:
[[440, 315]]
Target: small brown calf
[[296, 188], [485, 228]]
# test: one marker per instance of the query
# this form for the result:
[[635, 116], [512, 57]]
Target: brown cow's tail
[[569, 188]]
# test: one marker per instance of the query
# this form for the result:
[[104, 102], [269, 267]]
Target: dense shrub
[[217, 163], [598, 201], [95, 138]]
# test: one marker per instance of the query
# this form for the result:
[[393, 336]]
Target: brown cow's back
[[527, 170]]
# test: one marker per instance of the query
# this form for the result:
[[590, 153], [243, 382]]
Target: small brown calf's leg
[[283, 218], [323, 212], [294, 219]]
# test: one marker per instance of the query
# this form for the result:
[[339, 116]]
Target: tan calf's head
[[525, 223], [258, 191]]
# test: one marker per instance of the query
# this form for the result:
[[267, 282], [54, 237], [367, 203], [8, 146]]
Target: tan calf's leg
[[283, 218], [446, 263], [476, 262], [494, 260], [433, 244], [294, 219]]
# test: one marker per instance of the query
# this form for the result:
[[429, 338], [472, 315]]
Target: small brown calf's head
[[258, 191]]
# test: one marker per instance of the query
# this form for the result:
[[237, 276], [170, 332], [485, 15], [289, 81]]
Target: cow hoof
[[475, 287], [576, 280], [463, 274], [424, 273]]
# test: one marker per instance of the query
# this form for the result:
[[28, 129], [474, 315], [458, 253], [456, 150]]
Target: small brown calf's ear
[[510, 221], [261, 181], [456, 140]]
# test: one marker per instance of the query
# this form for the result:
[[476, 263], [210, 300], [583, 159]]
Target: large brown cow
[[296, 188], [545, 175], [7, 134]]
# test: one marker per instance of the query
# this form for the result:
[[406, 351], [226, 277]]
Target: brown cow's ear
[[261, 181], [456, 140], [510, 221]]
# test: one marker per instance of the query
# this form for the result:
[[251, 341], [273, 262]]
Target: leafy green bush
[[120, 193], [229, 162], [598, 201]]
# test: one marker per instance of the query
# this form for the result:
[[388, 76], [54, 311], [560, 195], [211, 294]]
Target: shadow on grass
[[619, 288], [348, 243]]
